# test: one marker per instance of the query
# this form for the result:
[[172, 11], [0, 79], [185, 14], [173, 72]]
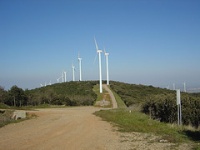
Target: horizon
[[149, 42]]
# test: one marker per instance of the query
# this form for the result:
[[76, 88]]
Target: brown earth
[[74, 128], [60, 128]]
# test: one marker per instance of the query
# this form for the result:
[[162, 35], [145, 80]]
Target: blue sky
[[151, 42]]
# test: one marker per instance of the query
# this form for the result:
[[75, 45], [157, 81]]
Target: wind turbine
[[100, 74], [73, 69], [79, 60], [62, 76], [184, 87], [65, 76], [107, 71], [174, 87]]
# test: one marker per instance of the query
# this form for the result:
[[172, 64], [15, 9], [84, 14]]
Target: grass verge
[[120, 102], [139, 122]]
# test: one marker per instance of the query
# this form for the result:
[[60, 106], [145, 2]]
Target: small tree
[[17, 97], [3, 95]]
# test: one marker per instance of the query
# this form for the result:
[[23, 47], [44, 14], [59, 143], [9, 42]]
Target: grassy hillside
[[69, 93], [134, 94], [160, 103]]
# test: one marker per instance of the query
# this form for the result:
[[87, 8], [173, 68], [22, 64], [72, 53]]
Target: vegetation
[[5, 117], [160, 103], [164, 108], [69, 94], [134, 94], [135, 121], [120, 102]]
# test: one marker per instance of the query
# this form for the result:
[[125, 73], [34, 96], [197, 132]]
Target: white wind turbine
[[184, 87], [73, 70], [62, 76], [174, 86], [65, 76], [100, 74], [107, 70], [80, 71]]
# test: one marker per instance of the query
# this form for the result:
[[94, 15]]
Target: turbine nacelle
[[99, 51], [106, 54]]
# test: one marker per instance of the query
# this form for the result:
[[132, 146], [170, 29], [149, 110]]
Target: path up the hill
[[114, 103]]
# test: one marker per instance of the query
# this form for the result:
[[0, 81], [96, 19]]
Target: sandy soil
[[61, 128], [74, 128]]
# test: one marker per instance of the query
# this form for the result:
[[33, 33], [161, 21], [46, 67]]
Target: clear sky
[[151, 42]]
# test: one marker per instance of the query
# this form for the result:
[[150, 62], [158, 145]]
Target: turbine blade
[[104, 51], [96, 44], [95, 59]]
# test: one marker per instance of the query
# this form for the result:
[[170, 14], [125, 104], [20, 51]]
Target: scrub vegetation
[[68, 94], [160, 104]]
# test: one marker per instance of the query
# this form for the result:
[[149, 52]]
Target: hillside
[[68, 93], [135, 94], [160, 103]]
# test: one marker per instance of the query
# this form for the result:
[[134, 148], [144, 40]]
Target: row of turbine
[[63, 76], [174, 87], [100, 72], [64, 73]]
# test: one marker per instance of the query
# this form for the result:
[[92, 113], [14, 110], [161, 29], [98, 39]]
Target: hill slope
[[68, 93], [160, 103]]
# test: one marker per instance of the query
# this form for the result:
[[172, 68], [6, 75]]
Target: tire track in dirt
[[114, 102]]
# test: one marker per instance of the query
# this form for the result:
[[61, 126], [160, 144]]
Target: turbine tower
[[62, 76], [100, 74], [65, 76], [174, 87], [80, 71], [184, 87], [107, 71], [73, 69]]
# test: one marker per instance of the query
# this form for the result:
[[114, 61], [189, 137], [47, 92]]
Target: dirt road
[[61, 128], [114, 103], [75, 128]]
